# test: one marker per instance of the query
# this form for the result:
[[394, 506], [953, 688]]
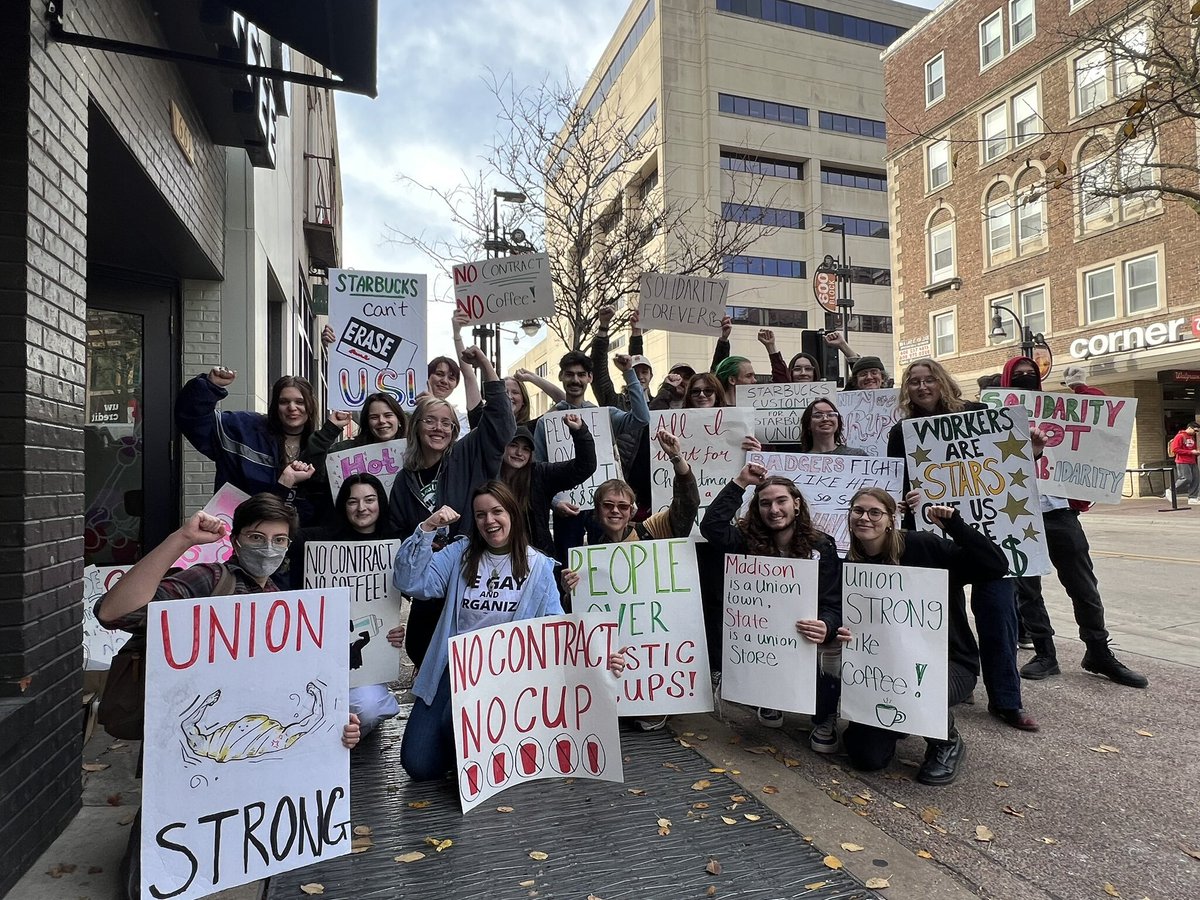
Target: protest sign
[[378, 322], [894, 672], [220, 506], [534, 699], [365, 569], [654, 589], [766, 661], [383, 459], [781, 405], [682, 303], [981, 463], [505, 289], [867, 417], [828, 481], [1087, 440], [560, 447], [245, 773], [99, 644], [710, 440]]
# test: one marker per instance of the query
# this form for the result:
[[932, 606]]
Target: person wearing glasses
[[821, 431], [876, 537], [704, 391], [927, 389], [440, 470]]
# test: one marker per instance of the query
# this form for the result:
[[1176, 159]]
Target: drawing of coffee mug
[[888, 715]]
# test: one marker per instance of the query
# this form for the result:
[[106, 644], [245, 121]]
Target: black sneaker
[[1040, 667], [1100, 660], [1024, 641], [943, 759]]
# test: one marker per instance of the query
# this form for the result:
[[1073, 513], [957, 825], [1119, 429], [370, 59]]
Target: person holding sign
[[704, 391], [492, 577], [821, 431], [380, 421], [778, 523], [876, 537]]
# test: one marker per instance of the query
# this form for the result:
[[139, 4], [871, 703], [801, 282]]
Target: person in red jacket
[[1076, 379], [1183, 451], [1072, 561]]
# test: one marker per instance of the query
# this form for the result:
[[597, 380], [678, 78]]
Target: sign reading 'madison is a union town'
[[1134, 338]]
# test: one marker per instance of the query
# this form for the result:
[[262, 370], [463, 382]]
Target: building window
[[647, 185], [628, 46], [867, 324], [1025, 116], [1021, 25], [762, 109], [543, 370], [763, 265], [944, 334], [1006, 321], [1137, 287], [937, 164], [1101, 294], [859, 227], [1141, 284], [767, 317], [995, 132], [762, 215], [999, 231], [1091, 82], [1030, 306], [761, 165], [935, 79], [941, 253], [1135, 162], [1130, 68], [811, 18], [871, 128], [991, 39], [1031, 222], [869, 181]]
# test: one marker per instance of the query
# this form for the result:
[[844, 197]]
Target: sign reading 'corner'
[[1137, 337]]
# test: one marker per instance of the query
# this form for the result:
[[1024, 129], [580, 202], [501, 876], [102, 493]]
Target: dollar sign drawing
[[1020, 562]]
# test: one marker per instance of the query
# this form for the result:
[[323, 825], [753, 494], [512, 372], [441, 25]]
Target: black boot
[[1040, 667], [943, 759], [1099, 659]]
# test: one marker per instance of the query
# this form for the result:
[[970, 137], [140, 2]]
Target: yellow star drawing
[[920, 455], [1014, 507], [1031, 533], [1018, 478], [1011, 446]]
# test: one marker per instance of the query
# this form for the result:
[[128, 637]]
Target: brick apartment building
[[1001, 116]]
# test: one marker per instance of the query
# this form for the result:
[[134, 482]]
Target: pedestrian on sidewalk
[[1072, 561], [1187, 475]]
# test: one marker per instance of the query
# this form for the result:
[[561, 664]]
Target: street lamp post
[[845, 283], [496, 244]]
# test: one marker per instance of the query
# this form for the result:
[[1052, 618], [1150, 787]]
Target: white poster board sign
[[365, 569], [895, 672], [99, 644], [653, 587], [867, 417], [1087, 440], [766, 662], [828, 481], [505, 289], [560, 447], [710, 440], [682, 303], [534, 699], [383, 459], [220, 506], [380, 344], [781, 405], [981, 463], [245, 773]]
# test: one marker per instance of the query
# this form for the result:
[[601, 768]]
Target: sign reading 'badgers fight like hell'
[[1087, 440], [895, 671], [505, 289], [654, 589], [534, 699], [560, 447], [245, 772], [682, 303], [378, 322], [766, 661], [781, 405], [981, 463], [384, 460]]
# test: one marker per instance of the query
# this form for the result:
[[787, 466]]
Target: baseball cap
[[682, 369], [641, 361]]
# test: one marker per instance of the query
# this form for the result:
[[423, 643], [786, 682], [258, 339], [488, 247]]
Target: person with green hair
[[732, 371]]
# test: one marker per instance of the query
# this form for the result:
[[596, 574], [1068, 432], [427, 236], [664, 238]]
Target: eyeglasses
[[874, 514], [825, 415], [800, 368], [921, 382], [256, 540], [434, 422], [608, 506], [702, 392]]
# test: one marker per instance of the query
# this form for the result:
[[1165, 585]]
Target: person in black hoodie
[[875, 537]]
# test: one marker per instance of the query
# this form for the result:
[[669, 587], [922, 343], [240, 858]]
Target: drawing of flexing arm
[[250, 736]]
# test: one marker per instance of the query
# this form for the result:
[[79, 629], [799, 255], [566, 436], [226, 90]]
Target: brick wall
[[201, 351]]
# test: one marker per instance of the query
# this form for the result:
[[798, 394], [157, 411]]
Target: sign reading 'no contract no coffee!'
[[505, 289]]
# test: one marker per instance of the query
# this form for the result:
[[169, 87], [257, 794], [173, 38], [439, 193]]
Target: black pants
[[871, 748], [1068, 547]]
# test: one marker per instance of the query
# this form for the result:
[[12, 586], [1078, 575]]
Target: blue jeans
[[427, 750], [994, 605]]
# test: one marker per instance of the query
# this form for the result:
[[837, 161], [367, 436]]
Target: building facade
[[791, 94], [1004, 161]]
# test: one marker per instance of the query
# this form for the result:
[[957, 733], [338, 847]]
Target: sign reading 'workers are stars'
[[981, 463]]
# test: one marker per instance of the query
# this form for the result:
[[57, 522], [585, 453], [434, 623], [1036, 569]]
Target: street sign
[[825, 289]]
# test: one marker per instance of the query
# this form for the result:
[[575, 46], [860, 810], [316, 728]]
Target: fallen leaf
[[420, 804], [443, 845], [712, 891], [924, 854], [527, 884], [851, 848], [983, 834], [1111, 890], [1194, 854], [1049, 840], [670, 765], [637, 792], [594, 897], [313, 888], [504, 809], [929, 814], [815, 885], [114, 800], [735, 771], [898, 804], [685, 744], [119, 745], [410, 857], [751, 817], [859, 800], [1001, 784], [1014, 812], [702, 785], [717, 771], [713, 867], [807, 838], [866, 795], [61, 869], [1145, 733], [1108, 748], [702, 737], [878, 884], [728, 821], [361, 845], [739, 798], [127, 817], [95, 767], [832, 862], [700, 805], [362, 830], [538, 855], [790, 763], [770, 789]]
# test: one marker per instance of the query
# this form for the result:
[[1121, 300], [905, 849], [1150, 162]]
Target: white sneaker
[[1194, 501], [771, 718], [650, 724], [824, 737]]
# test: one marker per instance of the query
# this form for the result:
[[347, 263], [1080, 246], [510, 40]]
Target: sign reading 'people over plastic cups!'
[[505, 289], [682, 303]]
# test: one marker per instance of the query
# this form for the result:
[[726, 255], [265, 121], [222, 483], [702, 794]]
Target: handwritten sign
[[710, 440], [384, 460], [505, 289], [534, 699], [828, 481], [1087, 440], [99, 644], [221, 506], [981, 463], [560, 447], [867, 417], [378, 322], [654, 589], [365, 568], [245, 773], [766, 661], [683, 303], [781, 405], [895, 672]]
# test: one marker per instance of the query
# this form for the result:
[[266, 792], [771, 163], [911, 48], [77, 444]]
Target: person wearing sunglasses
[[704, 391]]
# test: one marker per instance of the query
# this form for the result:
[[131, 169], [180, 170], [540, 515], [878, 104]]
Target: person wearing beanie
[[1075, 378], [732, 371], [1072, 561], [867, 374]]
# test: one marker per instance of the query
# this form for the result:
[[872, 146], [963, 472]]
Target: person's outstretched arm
[[469, 382], [602, 384], [547, 387], [721, 351]]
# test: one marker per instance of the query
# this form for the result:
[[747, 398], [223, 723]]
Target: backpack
[[123, 704]]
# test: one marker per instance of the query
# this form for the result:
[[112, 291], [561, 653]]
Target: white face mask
[[261, 562]]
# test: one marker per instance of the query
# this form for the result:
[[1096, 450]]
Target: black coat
[[549, 478]]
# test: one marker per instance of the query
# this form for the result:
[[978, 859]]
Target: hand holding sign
[[444, 517], [351, 732], [812, 630]]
